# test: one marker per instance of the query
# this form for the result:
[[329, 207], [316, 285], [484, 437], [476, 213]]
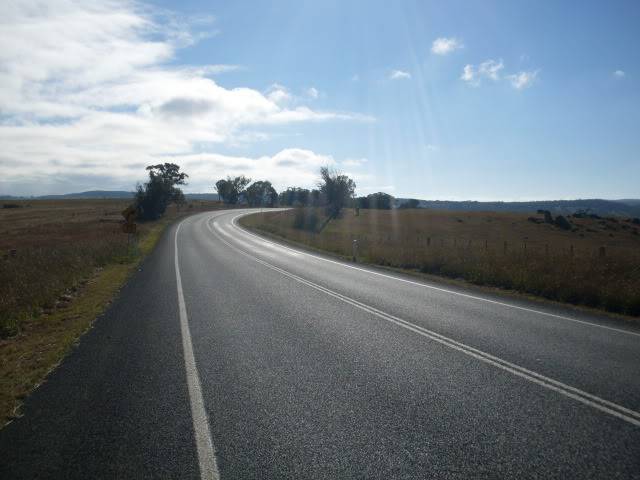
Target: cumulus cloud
[[289, 167], [444, 46], [522, 80], [95, 87], [619, 74], [469, 74], [493, 70], [490, 69], [399, 75], [313, 92], [279, 94]]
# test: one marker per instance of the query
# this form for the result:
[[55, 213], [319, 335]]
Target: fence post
[[602, 252], [505, 246], [428, 241], [571, 250], [355, 250]]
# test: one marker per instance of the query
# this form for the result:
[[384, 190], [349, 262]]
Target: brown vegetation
[[595, 262], [48, 248], [61, 262]]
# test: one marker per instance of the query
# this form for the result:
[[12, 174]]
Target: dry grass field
[[49, 247], [595, 263], [61, 262]]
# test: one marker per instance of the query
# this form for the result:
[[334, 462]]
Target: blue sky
[[442, 100]]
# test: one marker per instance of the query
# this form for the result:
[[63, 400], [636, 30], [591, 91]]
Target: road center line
[[611, 408], [404, 280], [204, 445]]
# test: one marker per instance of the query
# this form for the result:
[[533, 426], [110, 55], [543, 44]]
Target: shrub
[[306, 219], [562, 222]]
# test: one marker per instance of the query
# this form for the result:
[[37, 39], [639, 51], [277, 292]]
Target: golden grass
[[503, 250], [70, 260]]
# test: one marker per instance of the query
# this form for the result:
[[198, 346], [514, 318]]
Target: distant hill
[[635, 202], [202, 196], [624, 208], [94, 194]]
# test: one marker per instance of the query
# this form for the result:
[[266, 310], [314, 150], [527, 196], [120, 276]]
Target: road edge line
[[424, 285], [574, 393], [206, 451]]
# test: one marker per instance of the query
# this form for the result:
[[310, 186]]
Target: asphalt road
[[235, 357]]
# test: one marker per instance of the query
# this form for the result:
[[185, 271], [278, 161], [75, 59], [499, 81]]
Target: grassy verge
[[54, 292], [595, 263]]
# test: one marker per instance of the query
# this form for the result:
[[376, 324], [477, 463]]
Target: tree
[[337, 190], [231, 188], [152, 198], [411, 203], [295, 196], [380, 201], [179, 199], [261, 193]]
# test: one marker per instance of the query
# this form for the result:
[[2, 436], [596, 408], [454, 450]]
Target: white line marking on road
[[204, 445], [623, 413], [392, 277]]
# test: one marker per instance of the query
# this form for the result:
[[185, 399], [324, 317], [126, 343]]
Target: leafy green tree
[[152, 198], [230, 189], [261, 193], [380, 201], [294, 196], [336, 190], [411, 203]]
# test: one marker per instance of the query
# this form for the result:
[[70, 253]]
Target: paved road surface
[[253, 360]]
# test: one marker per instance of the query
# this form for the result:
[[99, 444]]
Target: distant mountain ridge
[[623, 207], [98, 194]]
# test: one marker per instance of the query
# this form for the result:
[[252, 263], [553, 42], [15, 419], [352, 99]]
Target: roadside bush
[[306, 219], [562, 222]]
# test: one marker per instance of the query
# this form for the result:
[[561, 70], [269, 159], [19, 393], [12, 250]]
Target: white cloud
[[289, 167], [444, 46], [94, 88], [399, 75], [469, 75], [279, 94], [313, 93], [522, 80], [353, 162], [619, 74], [491, 69]]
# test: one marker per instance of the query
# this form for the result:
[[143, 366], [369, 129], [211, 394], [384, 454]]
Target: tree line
[[335, 191]]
